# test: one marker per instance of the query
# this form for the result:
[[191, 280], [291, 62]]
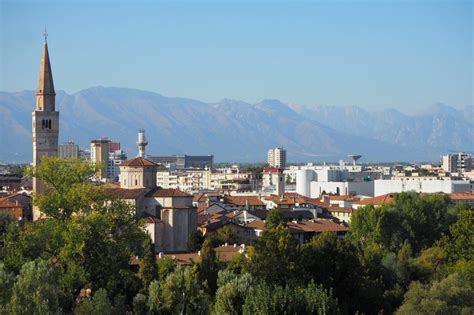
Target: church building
[[169, 213]]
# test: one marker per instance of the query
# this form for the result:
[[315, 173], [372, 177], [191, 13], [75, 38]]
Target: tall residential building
[[68, 150], [277, 157], [100, 155], [116, 158], [457, 163], [45, 120]]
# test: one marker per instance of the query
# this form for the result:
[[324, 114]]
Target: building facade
[[68, 150], [276, 157], [100, 156]]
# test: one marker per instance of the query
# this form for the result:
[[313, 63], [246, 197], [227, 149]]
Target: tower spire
[[45, 34], [45, 91]]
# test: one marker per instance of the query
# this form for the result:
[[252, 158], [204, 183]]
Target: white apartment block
[[68, 150], [457, 163], [277, 157]]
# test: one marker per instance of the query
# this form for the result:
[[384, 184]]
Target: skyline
[[256, 56]]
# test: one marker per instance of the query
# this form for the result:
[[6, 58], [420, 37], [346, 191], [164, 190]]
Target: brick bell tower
[[45, 120]]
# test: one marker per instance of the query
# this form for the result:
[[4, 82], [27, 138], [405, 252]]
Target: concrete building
[[421, 185], [68, 150], [276, 157], [100, 156], [273, 180], [45, 120], [182, 161], [116, 158], [313, 181], [169, 213], [457, 163]]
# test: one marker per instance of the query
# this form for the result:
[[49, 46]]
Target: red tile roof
[[139, 162], [167, 192], [243, 200], [461, 196], [343, 197], [315, 225], [375, 201]]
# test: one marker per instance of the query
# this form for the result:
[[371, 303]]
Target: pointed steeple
[[45, 83], [45, 94]]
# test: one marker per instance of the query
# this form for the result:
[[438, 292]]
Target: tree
[[448, 296], [99, 305], [334, 264], [418, 219], [275, 256], [182, 292], [268, 299], [195, 241], [147, 270], [232, 291], [274, 218], [460, 245], [97, 250], [68, 187], [208, 267], [36, 290], [7, 279], [226, 235]]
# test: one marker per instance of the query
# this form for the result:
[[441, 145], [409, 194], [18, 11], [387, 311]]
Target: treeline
[[412, 256]]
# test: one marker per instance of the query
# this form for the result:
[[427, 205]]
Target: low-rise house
[[303, 231], [467, 198]]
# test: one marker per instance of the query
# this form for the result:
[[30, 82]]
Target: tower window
[[49, 124]]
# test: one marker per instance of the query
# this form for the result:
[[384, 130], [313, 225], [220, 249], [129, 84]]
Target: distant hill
[[238, 131]]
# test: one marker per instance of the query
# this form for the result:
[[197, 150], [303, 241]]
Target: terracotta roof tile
[[139, 162], [375, 201], [243, 200], [461, 196], [167, 192]]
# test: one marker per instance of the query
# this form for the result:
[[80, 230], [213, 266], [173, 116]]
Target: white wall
[[425, 185]]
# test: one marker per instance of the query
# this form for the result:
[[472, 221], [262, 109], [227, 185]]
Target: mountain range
[[236, 131]]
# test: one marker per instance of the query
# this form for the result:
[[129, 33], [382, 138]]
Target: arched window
[[49, 124]]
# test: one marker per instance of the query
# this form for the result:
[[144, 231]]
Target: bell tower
[[45, 119]]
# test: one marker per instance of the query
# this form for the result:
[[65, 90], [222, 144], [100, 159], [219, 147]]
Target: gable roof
[[243, 200], [139, 162], [167, 192], [461, 196], [376, 201]]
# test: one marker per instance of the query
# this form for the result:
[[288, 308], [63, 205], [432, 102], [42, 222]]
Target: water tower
[[141, 143], [354, 158]]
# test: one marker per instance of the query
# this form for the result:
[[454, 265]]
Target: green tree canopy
[[68, 188]]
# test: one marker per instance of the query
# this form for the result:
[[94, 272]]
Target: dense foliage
[[414, 255]]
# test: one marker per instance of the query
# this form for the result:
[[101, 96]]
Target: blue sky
[[374, 54]]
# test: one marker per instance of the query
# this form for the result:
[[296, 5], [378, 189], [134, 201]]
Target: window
[[136, 182]]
